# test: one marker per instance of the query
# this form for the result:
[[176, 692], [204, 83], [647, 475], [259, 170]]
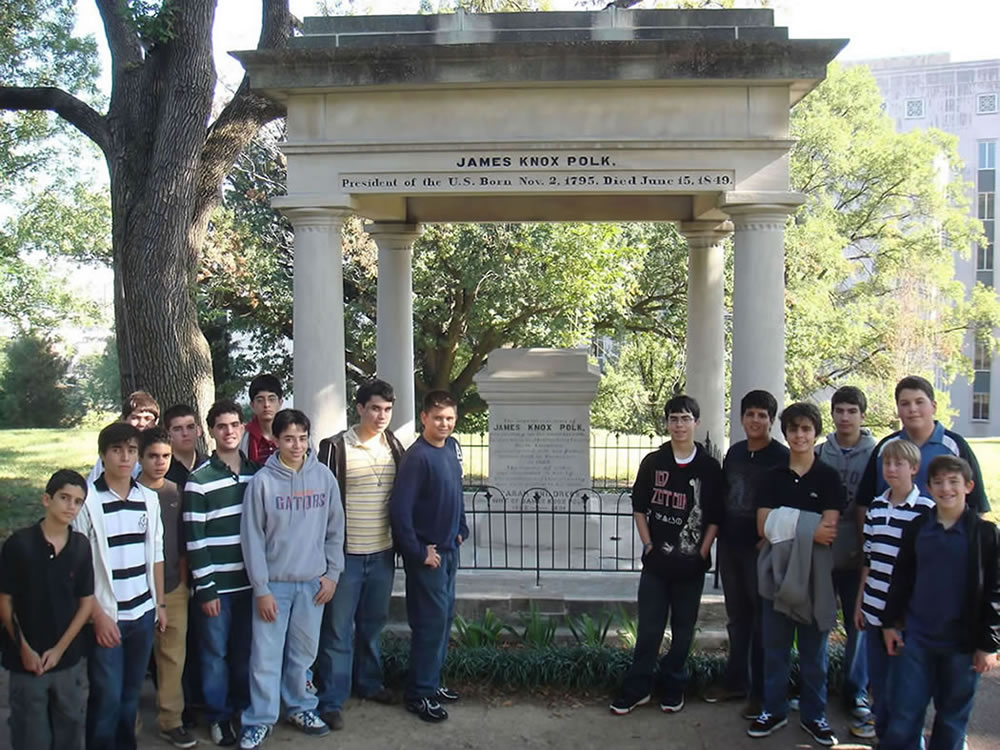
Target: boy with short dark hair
[[887, 518], [427, 510], [121, 518], [46, 595], [170, 643], [181, 423], [364, 459], [259, 441], [945, 591], [847, 449], [798, 509], [141, 411], [677, 505], [213, 505], [916, 407], [743, 466], [292, 533]]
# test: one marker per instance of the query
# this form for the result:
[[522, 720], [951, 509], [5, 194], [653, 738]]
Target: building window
[[980, 407], [983, 358], [987, 154], [986, 104], [987, 205], [914, 109], [986, 210]]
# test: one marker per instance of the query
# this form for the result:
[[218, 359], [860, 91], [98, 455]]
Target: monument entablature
[[613, 115]]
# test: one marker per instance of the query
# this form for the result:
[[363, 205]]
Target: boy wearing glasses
[[676, 504]]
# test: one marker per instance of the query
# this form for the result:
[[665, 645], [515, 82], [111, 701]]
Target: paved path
[[533, 723]]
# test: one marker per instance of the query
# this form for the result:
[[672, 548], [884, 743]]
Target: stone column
[[758, 359], [319, 368], [394, 320], [705, 373]]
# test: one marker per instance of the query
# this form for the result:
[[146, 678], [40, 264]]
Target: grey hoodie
[[850, 463], [293, 524]]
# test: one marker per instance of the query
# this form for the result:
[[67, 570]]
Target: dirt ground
[[534, 722]]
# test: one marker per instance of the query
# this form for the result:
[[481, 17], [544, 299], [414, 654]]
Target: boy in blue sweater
[[428, 525]]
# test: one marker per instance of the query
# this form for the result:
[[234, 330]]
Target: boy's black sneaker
[[178, 737], [445, 694], [766, 724], [222, 733], [672, 702], [428, 709], [820, 731], [623, 705]]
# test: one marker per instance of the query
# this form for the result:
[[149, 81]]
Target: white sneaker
[[253, 737]]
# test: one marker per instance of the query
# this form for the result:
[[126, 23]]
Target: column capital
[[393, 235], [761, 210], [315, 218], [703, 234]]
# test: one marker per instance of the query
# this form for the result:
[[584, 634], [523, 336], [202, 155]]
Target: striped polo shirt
[[370, 472], [884, 524], [125, 523], [213, 507]]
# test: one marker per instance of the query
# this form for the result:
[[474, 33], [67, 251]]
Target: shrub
[[33, 388]]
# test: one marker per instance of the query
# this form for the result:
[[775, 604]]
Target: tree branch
[[245, 114], [123, 41], [50, 98]]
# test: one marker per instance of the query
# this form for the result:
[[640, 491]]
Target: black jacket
[[332, 455], [981, 613]]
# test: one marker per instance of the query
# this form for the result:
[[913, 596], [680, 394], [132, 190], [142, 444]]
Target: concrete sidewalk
[[532, 722]]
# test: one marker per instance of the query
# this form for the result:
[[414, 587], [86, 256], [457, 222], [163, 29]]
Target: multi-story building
[[963, 98]]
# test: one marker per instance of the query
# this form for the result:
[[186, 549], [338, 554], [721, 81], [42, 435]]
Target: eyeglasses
[[680, 419]]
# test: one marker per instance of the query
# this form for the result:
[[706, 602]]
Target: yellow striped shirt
[[370, 473]]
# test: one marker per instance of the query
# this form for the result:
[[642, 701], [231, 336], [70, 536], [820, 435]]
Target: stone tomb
[[539, 468]]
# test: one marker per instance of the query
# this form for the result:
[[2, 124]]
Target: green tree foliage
[[871, 294], [34, 388], [97, 381]]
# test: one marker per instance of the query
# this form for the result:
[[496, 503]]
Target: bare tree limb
[[53, 99]]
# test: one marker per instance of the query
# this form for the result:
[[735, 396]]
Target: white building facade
[[963, 99]]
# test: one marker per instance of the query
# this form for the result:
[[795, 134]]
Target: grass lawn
[[28, 458]]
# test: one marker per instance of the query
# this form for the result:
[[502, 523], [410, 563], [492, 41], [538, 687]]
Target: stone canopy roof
[[704, 47]]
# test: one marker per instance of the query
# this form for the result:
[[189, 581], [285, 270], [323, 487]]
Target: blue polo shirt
[[934, 615], [942, 442]]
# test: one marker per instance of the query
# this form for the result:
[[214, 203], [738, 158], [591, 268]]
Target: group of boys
[[282, 556], [890, 534]]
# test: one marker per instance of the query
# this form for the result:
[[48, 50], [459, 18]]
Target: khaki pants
[[170, 648]]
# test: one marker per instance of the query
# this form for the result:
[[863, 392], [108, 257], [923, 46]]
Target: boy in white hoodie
[[292, 534]]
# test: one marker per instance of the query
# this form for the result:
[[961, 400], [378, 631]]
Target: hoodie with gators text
[[293, 524]]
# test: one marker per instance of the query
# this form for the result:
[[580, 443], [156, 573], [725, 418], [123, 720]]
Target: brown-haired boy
[[946, 592]]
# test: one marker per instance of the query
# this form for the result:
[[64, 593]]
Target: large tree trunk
[[166, 165]]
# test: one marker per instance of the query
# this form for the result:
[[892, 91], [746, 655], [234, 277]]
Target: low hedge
[[568, 667]]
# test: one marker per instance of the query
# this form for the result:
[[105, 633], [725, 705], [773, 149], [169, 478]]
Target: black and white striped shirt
[[125, 522], [884, 524]]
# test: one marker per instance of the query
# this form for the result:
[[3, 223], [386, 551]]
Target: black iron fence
[[587, 529]]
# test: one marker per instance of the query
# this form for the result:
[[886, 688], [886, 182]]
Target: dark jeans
[[780, 633], [48, 710], [745, 666], [352, 626], [878, 677], [658, 600], [846, 584], [224, 648], [918, 674], [116, 676], [430, 609]]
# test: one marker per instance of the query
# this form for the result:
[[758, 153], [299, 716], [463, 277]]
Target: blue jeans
[[660, 599], [878, 676], [430, 609], [846, 584], [352, 626], [282, 651], [224, 647], [116, 676], [918, 674], [779, 635]]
